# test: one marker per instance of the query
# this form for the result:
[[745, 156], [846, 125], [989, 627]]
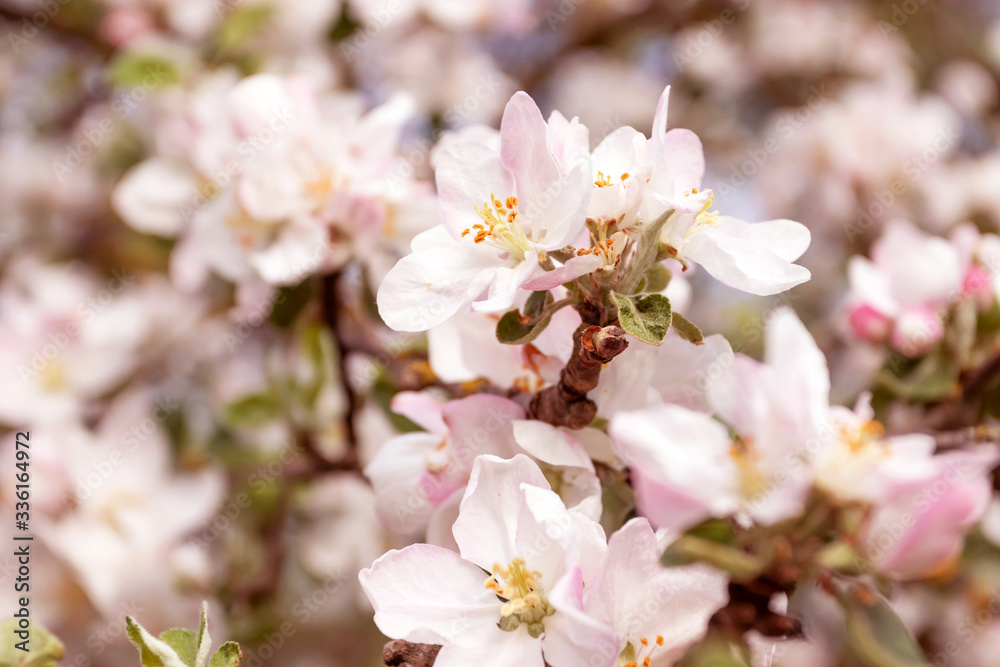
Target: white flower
[[513, 527], [504, 207]]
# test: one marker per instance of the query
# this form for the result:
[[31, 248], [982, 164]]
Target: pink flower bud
[[869, 324], [916, 331]]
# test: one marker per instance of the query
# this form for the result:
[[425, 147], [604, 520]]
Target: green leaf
[[240, 25], [44, 648], [290, 301], [655, 280], [876, 634], [254, 410], [687, 329], [183, 642], [689, 549], [316, 343], [646, 251], [204, 641], [153, 652], [133, 69], [647, 318], [228, 655], [517, 329], [933, 378]]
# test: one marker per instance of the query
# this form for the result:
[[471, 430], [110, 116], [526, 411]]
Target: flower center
[[500, 227], [604, 181], [629, 657], [524, 601], [858, 439], [704, 219], [751, 480]]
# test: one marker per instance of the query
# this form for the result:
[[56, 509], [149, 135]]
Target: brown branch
[[984, 433], [398, 653], [566, 404], [332, 315]]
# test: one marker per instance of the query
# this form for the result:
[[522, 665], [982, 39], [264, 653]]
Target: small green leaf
[[44, 648], [517, 329], [254, 410], [204, 641], [512, 330], [687, 329], [152, 651], [655, 279], [689, 549], [228, 655], [647, 318], [646, 253], [876, 634], [240, 25], [536, 304], [133, 69], [183, 642], [290, 301]]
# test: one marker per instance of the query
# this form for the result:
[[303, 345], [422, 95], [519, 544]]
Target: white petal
[[487, 522], [152, 196], [552, 445], [571, 270], [506, 283], [736, 254], [427, 594], [430, 285], [489, 646]]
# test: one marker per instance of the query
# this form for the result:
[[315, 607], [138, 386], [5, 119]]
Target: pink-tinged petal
[[551, 445], [685, 160], [736, 255], [922, 528], [685, 370], [901, 253], [481, 424], [524, 148], [430, 285], [152, 195], [571, 270], [505, 285], [870, 286], [487, 522], [467, 173], [489, 646], [441, 522], [552, 539], [428, 595], [300, 250], [556, 216], [573, 638], [411, 476], [660, 116], [869, 323], [677, 485], [422, 409], [917, 330], [640, 598], [800, 371]]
